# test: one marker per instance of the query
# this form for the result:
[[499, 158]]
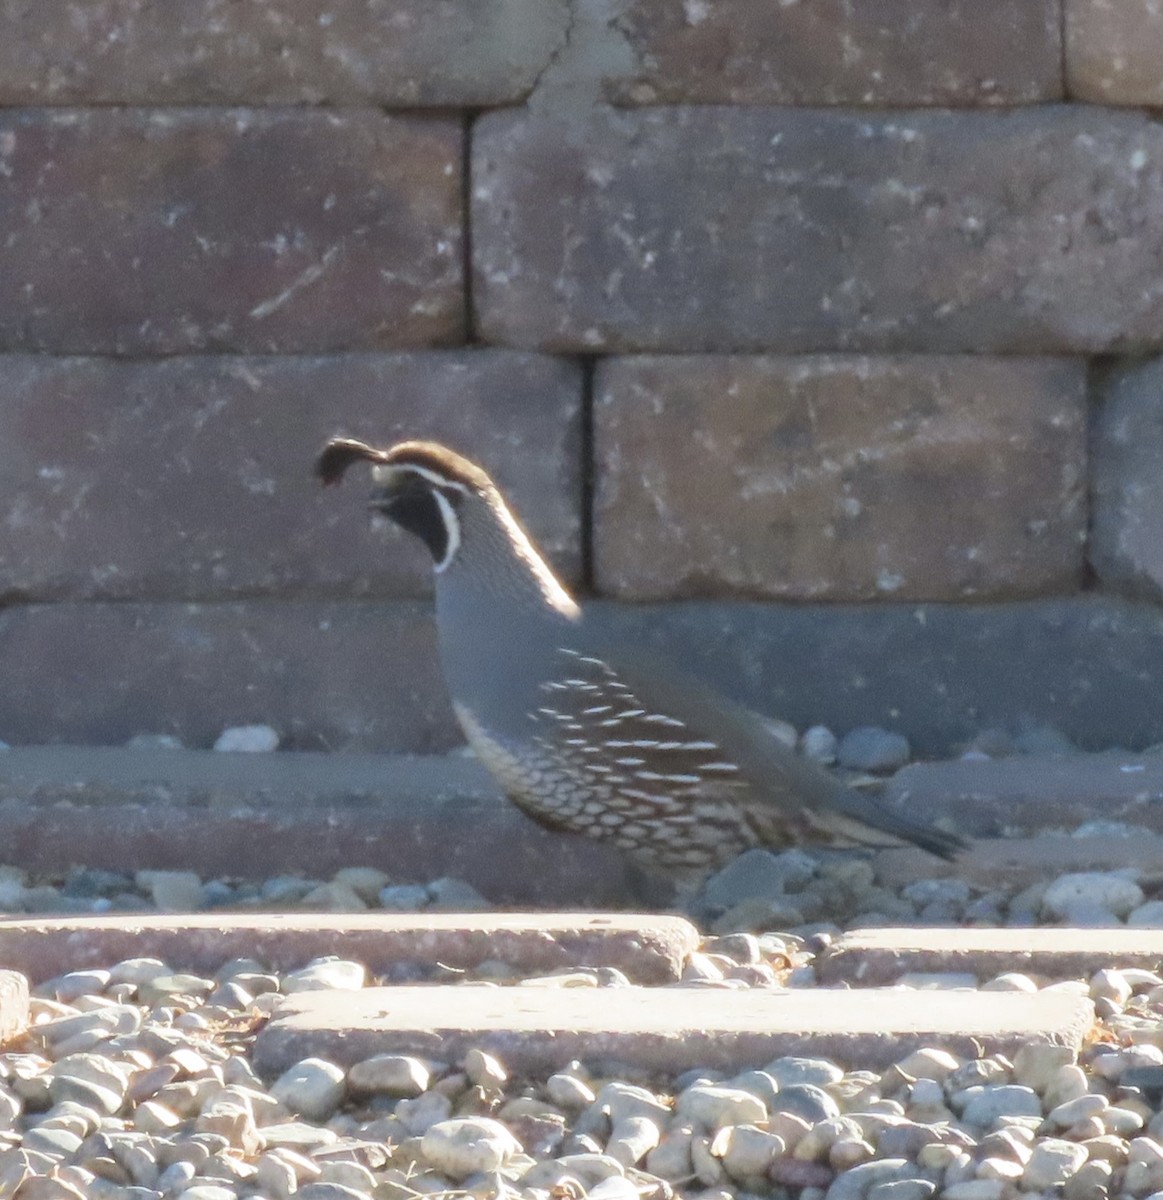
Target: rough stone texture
[[13, 1005], [940, 674], [154, 232], [648, 949], [401, 53], [832, 52], [1028, 794], [1113, 51], [1027, 231], [191, 478], [365, 676], [1126, 544], [324, 676], [220, 814], [840, 478], [878, 957], [669, 1030]]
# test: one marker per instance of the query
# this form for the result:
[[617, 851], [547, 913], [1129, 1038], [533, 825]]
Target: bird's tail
[[869, 816]]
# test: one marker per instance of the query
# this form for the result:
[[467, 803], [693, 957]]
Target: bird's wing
[[794, 790]]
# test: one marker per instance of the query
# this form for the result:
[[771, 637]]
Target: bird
[[587, 732]]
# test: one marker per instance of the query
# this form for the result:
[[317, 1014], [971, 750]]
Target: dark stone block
[[156, 232], [191, 478], [401, 53], [1036, 230], [877, 52], [839, 478]]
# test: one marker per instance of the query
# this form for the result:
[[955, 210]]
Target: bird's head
[[421, 486]]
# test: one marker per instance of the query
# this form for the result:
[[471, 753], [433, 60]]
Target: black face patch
[[413, 506]]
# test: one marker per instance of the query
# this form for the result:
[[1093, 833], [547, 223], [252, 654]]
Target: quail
[[582, 731]]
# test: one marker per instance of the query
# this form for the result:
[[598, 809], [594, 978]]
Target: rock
[[462, 1146], [804, 1100], [1147, 916], [985, 1106], [1037, 1063], [869, 748], [333, 897], [902, 1189], [419, 1115], [248, 739], [568, 1091], [1070, 896], [389, 1075], [621, 1100], [755, 873], [671, 1159], [1092, 1179], [856, 1183], [484, 1070], [746, 1151], [819, 744], [326, 1190], [631, 1139], [311, 1088], [713, 1105], [154, 741], [617, 1187], [172, 891], [975, 1189], [1071, 1112], [790, 1071], [454, 895], [325, 973], [404, 897], [366, 882]]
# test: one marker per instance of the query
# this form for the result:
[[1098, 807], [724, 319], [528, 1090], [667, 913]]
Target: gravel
[[135, 1082], [131, 1086]]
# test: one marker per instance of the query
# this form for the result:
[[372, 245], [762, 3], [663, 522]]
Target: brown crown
[[340, 453]]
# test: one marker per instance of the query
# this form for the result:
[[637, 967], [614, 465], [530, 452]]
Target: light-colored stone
[[312, 1088], [462, 1146]]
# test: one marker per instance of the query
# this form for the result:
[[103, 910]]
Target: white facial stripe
[[384, 475], [452, 527]]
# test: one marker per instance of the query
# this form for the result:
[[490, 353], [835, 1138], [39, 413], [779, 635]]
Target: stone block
[[647, 949], [1114, 49], [400, 53], [136, 232], [324, 675], [191, 478], [838, 478], [667, 1030], [218, 814], [879, 957], [1126, 543], [693, 229], [967, 52], [364, 675]]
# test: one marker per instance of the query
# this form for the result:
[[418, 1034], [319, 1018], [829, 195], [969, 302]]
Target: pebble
[[465, 1145], [311, 1088], [715, 1105], [389, 1075], [757, 874], [248, 739], [1087, 895], [819, 744], [323, 974], [869, 748]]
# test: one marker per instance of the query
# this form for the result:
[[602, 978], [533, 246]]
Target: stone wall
[[847, 307]]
